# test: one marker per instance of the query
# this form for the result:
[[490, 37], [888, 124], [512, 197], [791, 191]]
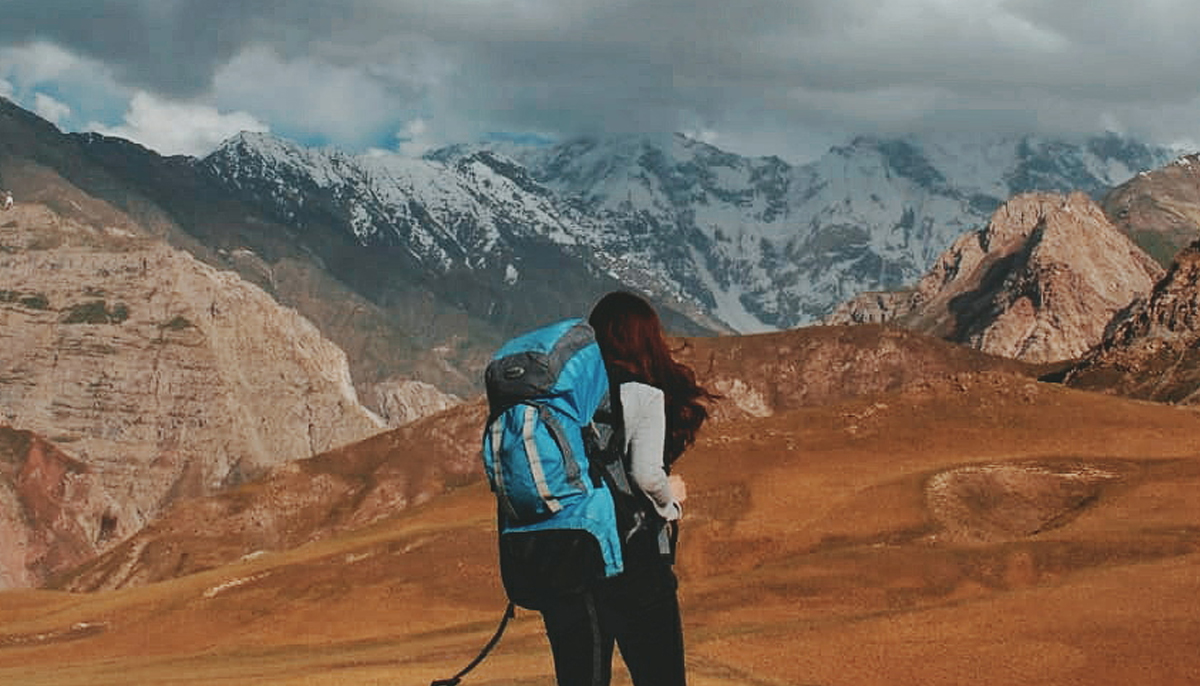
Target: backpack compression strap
[[559, 434]]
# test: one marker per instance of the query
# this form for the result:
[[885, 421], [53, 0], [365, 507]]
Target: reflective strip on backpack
[[535, 461], [498, 470]]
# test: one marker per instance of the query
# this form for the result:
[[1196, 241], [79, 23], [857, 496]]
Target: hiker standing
[[661, 407]]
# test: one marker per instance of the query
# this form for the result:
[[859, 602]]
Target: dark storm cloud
[[166, 47], [526, 56], [566, 66], [632, 67]]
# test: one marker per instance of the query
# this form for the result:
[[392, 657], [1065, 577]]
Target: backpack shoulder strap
[[608, 460], [634, 511]]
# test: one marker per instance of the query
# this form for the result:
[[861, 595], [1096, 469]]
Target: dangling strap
[[509, 613]]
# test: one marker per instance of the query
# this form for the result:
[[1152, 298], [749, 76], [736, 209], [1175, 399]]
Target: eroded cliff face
[[1040, 283], [163, 376]]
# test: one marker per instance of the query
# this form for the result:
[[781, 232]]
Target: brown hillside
[[978, 528], [376, 478], [299, 502]]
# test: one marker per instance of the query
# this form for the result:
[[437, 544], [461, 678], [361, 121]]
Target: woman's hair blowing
[[634, 349]]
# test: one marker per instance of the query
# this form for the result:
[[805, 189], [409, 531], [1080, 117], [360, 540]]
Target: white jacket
[[645, 419]]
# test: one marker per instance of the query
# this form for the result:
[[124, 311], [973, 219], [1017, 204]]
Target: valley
[[240, 405]]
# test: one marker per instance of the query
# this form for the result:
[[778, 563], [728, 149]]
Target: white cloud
[[179, 128], [59, 85], [309, 98], [704, 135], [414, 139], [6, 89], [38, 63], [50, 109]]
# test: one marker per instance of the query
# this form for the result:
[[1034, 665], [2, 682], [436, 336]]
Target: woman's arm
[[645, 435]]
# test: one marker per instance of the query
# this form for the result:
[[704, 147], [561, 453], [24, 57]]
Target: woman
[[662, 408]]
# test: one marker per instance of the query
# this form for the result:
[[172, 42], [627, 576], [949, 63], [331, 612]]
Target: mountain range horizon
[[756, 244]]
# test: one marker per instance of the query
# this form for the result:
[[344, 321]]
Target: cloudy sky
[[785, 77]]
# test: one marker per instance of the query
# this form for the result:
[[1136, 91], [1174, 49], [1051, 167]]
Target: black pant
[[637, 610]]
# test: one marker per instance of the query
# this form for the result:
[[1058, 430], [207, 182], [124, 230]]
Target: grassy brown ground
[[984, 529]]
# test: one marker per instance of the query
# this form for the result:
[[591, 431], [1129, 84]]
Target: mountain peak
[[1039, 283], [1160, 207]]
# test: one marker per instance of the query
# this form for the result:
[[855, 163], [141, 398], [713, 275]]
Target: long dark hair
[[634, 349]]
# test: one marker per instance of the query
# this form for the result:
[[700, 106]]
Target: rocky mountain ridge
[[1039, 283], [394, 258], [390, 321], [767, 245], [476, 222], [1153, 351]]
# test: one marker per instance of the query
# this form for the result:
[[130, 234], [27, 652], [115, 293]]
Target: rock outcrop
[[1153, 351], [767, 374], [400, 401], [45, 497], [1039, 283], [163, 376]]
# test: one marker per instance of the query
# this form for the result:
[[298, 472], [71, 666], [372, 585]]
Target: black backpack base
[[538, 567]]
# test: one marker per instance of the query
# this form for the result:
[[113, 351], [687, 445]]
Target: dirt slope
[[978, 528]]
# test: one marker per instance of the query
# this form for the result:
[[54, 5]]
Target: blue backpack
[[556, 516]]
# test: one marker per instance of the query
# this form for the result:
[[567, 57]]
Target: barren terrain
[[975, 528]]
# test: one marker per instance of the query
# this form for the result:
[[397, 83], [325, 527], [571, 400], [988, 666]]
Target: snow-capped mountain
[[754, 242], [769, 245], [476, 222], [447, 216]]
